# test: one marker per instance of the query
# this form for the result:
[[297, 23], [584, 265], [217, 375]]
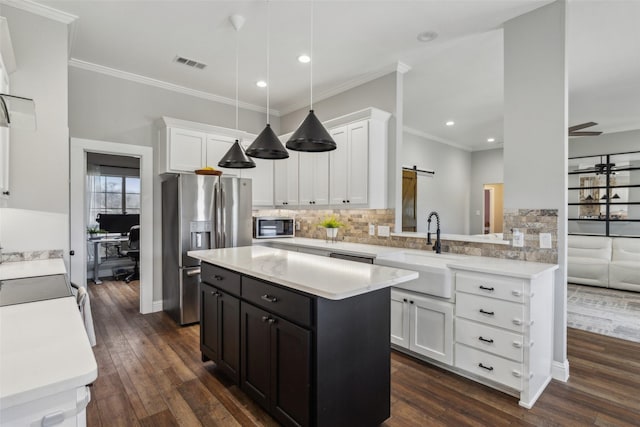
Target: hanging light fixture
[[236, 158], [267, 145], [311, 136]]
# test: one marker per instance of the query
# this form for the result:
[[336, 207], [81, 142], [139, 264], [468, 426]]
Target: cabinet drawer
[[489, 366], [504, 314], [220, 278], [487, 338], [506, 288], [277, 300]]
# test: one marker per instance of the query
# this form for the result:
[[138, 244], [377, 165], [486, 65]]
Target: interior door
[[409, 190]]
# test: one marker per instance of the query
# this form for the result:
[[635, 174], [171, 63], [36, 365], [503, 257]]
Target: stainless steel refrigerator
[[198, 212]]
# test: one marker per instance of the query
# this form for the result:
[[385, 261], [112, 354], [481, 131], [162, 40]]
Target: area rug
[[604, 311]]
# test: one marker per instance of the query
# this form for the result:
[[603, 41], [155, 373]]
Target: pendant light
[[311, 136], [267, 145], [236, 158]]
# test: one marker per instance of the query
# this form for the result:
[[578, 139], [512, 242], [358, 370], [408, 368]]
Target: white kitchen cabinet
[[216, 147], [261, 181], [422, 325], [285, 173], [504, 331], [349, 164], [313, 179], [187, 149]]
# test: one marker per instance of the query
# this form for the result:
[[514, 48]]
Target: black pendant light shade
[[311, 136], [236, 158], [267, 146]]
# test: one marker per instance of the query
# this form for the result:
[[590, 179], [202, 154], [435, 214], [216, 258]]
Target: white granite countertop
[[321, 276], [507, 267], [44, 267], [44, 347]]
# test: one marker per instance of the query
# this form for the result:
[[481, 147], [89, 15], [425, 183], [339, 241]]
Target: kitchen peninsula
[[307, 337]]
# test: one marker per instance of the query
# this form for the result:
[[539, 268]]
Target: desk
[[96, 254]]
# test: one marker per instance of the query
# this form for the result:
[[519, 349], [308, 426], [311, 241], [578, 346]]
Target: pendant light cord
[[312, 58], [237, 47], [268, 55]]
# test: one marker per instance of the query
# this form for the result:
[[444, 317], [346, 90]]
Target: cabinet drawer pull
[[269, 298], [405, 300], [517, 322], [516, 293], [487, 288], [272, 320], [517, 344], [217, 277], [487, 340], [516, 374], [488, 368], [488, 313], [265, 318]]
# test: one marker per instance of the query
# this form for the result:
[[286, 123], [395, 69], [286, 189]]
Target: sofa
[[611, 262]]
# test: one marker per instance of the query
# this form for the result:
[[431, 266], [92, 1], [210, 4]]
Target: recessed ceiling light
[[427, 36], [450, 123], [491, 140], [261, 83], [304, 59]]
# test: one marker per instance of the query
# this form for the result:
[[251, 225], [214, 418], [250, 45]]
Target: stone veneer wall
[[30, 255], [531, 222]]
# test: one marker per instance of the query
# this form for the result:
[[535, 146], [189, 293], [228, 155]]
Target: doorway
[[492, 215], [79, 149], [409, 196]]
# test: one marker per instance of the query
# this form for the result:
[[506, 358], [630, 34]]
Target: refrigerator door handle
[[193, 272], [223, 207], [216, 213]]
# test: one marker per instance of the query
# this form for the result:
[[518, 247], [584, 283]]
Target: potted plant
[[94, 231], [331, 225]]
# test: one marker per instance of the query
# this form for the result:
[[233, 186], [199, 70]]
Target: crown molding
[[349, 84], [422, 134], [41, 10], [125, 75]]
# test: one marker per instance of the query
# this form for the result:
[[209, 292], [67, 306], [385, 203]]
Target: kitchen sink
[[434, 278]]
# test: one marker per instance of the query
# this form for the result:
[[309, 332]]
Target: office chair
[[133, 252]]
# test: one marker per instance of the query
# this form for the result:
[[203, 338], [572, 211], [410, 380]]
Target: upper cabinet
[[313, 179], [286, 179], [348, 164]]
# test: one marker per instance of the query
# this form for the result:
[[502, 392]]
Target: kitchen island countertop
[[323, 277]]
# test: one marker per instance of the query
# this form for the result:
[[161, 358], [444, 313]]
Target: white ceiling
[[456, 77]]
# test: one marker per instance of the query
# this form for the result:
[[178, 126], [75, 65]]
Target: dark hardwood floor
[[150, 374]]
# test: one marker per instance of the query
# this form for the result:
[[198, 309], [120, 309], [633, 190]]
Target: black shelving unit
[[605, 189]]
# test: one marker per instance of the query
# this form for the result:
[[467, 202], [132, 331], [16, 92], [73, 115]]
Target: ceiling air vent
[[189, 62]]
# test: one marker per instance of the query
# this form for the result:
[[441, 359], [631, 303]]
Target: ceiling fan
[[576, 130], [599, 168]]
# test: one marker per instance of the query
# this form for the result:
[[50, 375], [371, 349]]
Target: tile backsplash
[[531, 222]]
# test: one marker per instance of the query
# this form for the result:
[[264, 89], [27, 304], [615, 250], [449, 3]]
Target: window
[[113, 194]]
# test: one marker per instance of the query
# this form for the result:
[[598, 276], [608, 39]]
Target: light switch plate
[[372, 230], [383, 231], [518, 238], [545, 240]]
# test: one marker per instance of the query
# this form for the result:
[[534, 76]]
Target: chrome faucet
[[436, 247]]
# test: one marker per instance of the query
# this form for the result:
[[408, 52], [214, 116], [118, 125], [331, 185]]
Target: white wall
[[607, 143], [23, 230], [535, 130], [110, 109], [487, 167], [446, 192], [39, 160]]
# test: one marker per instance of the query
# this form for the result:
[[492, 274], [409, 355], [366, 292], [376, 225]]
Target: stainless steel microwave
[[272, 227]]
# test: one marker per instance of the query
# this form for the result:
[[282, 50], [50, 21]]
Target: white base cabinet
[[504, 331], [422, 325]]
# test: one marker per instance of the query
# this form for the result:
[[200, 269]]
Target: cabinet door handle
[[269, 298], [489, 340], [344, 201], [410, 302], [516, 293], [217, 277], [517, 322], [216, 294], [404, 299], [265, 318], [348, 201], [487, 288], [516, 374], [488, 368], [488, 313], [272, 320], [517, 344]]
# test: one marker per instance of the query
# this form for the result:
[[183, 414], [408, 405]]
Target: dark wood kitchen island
[[306, 337]]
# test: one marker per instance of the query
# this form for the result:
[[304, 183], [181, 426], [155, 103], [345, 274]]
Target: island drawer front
[[277, 300], [492, 311], [487, 338], [506, 288], [220, 278], [489, 366]]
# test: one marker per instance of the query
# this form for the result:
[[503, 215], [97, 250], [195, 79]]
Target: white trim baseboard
[[560, 370], [156, 306]]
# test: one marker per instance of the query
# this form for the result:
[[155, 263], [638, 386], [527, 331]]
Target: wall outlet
[[383, 231], [518, 238], [545, 240], [297, 225], [372, 230]]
